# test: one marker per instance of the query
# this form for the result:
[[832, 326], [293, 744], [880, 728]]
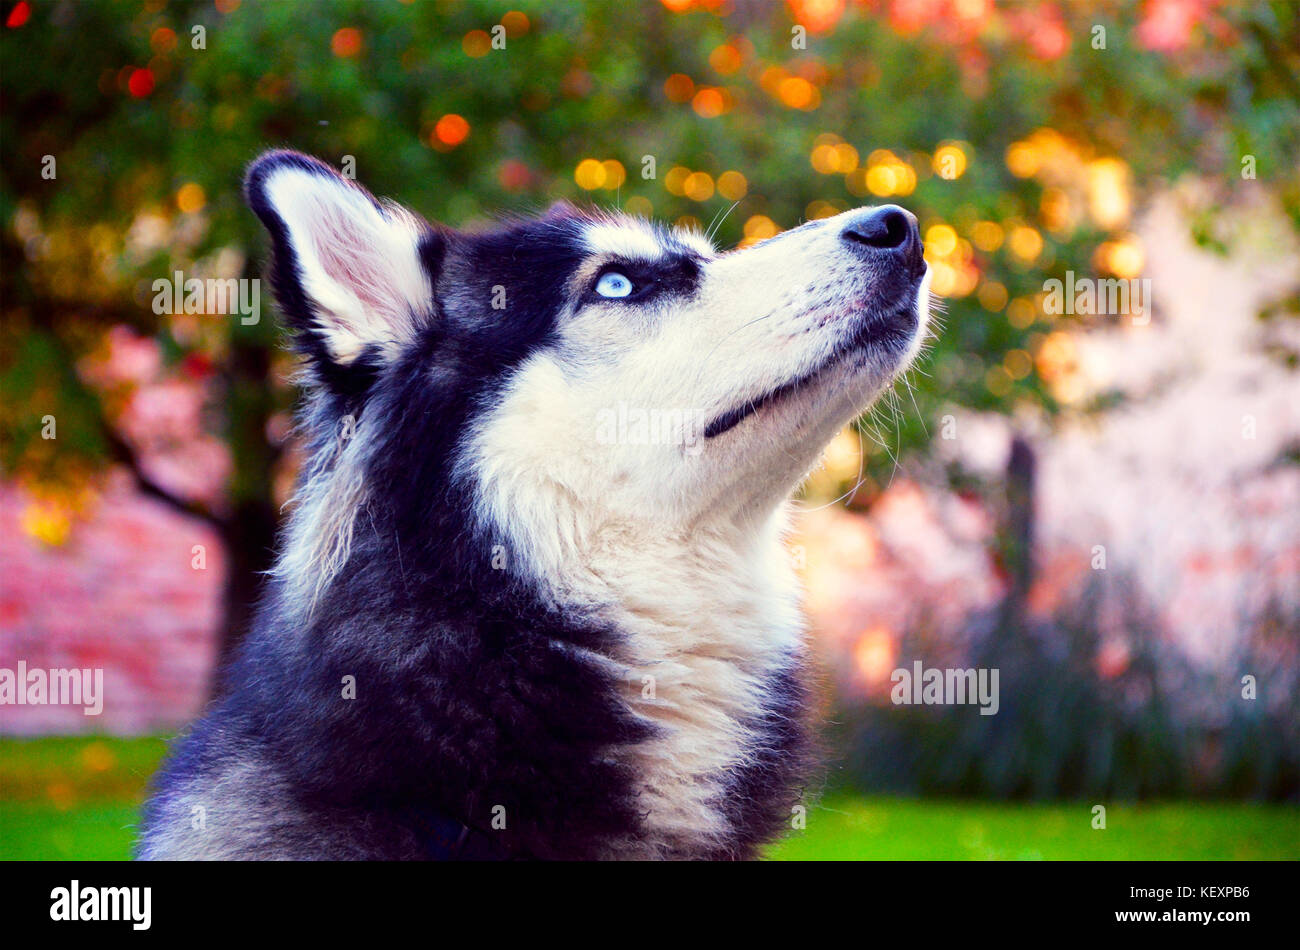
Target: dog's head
[[596, 359]]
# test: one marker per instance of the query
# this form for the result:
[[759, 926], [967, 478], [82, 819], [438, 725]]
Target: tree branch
[[124, 454]]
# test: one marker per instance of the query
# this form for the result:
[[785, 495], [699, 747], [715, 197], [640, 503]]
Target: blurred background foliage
[[1020, 145], [1025, 136], [1078, 723]]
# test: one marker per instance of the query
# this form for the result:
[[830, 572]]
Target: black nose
[[885, 232]]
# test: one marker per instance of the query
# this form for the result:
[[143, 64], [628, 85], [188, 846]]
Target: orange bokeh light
[[725, 59], [451, 129], [817, 15], [476, 43], [798, 93], [515, 22], [709, 102], [679, 87], [346, 43], [163, 40]]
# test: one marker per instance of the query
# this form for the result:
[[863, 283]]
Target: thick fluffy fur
[[594, 642]]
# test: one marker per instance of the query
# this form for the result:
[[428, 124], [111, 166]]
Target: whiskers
[[887, 412], [718, 220]]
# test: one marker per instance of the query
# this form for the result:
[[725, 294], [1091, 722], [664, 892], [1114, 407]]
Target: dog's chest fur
[[653, 704], [707, 645], [714, 659]]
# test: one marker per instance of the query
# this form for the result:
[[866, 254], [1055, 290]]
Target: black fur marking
[[762, 795], [676, 275]]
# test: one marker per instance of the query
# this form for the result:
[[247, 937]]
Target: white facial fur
[[761, 317], [678, 542]]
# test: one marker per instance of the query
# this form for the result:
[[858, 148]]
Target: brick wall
[[119, 594]]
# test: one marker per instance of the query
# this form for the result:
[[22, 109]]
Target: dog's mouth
[[892, 330]]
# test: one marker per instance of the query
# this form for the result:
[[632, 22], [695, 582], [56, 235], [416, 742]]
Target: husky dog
[[500, 624]]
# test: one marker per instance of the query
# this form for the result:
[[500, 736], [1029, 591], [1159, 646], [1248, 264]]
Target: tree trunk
[[249, 539], [1017, 530], [249, 529]]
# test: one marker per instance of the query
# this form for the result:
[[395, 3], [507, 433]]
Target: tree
[[1014, 134]]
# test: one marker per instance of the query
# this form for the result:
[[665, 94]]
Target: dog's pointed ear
[[349, 272]]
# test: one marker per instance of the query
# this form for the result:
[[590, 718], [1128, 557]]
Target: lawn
[[78, 798], [848, 828]]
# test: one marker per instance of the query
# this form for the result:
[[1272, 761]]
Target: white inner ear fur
[[359, 265]]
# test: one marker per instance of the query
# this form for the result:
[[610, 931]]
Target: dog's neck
[[707, 620], [709, 617]]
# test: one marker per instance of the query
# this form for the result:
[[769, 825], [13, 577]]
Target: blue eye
[[613, 284]]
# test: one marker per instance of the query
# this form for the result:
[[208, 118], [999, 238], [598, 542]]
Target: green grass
[[79, 798], [35, 832], [70, 797], [847, 828]]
